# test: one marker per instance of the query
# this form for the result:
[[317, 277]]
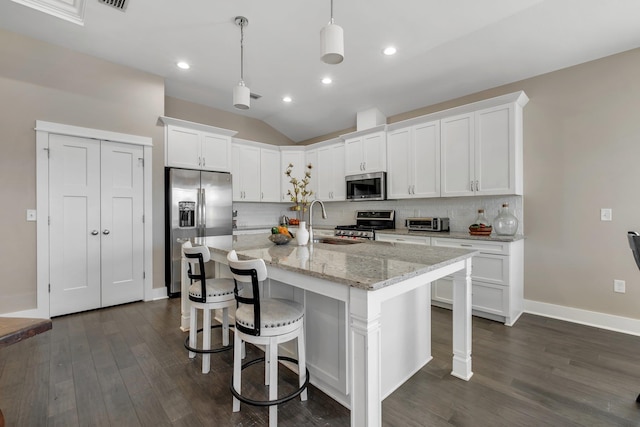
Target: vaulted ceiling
[[445, 49]]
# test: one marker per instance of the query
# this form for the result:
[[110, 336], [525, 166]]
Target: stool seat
[[274, 313], [214, 288]]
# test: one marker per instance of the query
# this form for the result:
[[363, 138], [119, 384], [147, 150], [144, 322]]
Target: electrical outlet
[[31, 214], [606, 214], [619, 286]]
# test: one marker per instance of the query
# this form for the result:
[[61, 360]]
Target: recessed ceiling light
[[389, 51], [327, 80], [287, 99], [183, 65]]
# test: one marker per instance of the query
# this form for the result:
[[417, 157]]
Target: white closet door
[[74, 167], [122, 223]]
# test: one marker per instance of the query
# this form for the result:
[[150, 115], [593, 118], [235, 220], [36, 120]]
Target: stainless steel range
[[367, 222]]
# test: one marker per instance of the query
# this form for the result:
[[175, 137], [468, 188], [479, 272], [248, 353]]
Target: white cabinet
[[330, 173], [482, 152], [197, 146], [366, 153], [497, 279], [296, 157], [270, 175], [246, 173], [413, 160]]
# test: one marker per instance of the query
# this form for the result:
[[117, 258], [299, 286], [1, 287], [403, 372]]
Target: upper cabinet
[[196, 146], [246, 173], [366, 151], [311, 158], [482, 152], [296, 157], [270, 175], [330, 173], [413, 161]]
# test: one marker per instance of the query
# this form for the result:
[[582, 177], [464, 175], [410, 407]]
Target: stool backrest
[[634, 243], [251, 271], [196, 257]]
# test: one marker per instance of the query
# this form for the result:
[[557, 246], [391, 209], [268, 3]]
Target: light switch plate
[[619, 286], [31, 214], [606, 214]]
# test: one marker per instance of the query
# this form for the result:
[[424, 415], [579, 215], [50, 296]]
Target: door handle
[[95, 232], [106, 231]]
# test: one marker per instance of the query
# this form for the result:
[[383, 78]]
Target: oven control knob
[[351, 233]]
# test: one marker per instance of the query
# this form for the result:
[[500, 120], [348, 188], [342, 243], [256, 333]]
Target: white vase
[[302, 238]]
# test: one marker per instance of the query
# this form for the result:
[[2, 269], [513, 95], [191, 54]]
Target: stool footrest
[[211, 351], [269, 402]]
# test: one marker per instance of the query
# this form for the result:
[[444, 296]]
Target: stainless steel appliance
[[198, 204], [367, 222], [367, 186], [427, 224]]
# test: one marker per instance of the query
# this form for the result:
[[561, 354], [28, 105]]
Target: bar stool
[[207, 295], [267, 322]]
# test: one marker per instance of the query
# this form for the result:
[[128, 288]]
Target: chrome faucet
[[324, 216]]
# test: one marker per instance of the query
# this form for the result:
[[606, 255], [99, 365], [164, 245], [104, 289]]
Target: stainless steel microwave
[[367, 186]]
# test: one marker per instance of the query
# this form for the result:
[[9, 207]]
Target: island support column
[[365, 359], [462, 323]]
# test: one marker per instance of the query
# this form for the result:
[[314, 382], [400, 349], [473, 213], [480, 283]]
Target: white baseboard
[[158, 293], [610, 322]]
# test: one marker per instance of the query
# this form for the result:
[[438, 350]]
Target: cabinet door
[[339, 191], [250, 174], [456, 149], [270, 175], [296, 158], [236, 172], [324, 173], [374, 149], [353, 159], [495, 151], [399, 164], [183, 148], [425, 160], [216, 152]]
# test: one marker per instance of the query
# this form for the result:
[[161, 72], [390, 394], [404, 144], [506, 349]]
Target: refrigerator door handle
[[203, 222]]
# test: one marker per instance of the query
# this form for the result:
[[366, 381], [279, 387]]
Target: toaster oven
[[427, 224]]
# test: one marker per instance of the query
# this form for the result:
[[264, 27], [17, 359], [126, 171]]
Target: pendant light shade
[[332, 42], [241, 96], [241, 93]]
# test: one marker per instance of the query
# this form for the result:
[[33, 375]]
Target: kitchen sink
[[337, 241]]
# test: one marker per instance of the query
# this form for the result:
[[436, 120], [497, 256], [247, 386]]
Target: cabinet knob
[[95, 232], [105, 232]]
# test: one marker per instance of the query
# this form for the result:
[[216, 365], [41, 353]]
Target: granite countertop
[[368, 265], [452, 235]]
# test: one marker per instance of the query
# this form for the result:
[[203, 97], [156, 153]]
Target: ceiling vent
[[255, 96], [118, 4]]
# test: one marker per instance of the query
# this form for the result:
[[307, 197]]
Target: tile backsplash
[[461, 210]]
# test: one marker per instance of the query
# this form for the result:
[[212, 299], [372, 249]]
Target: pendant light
[[332, 42], [241, 93]]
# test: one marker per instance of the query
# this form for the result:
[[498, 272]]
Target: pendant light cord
[[331, 12], [242, 51]]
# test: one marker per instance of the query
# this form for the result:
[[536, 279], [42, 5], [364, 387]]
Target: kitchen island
[[382, 292]]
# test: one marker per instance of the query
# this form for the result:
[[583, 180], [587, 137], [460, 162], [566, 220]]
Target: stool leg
[[225, 326], [193, 330], [302, 364], [273, 387], [206, 340], [237, 367], [267, 364]]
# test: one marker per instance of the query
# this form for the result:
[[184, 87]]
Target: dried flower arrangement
[[300, 194]]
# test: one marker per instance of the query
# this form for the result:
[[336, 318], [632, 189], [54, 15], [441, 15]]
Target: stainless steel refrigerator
[[198, 204]]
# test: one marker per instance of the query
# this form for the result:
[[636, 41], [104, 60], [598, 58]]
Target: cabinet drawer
[[485, 297], [484, 246], [491, 268], [416, 240]]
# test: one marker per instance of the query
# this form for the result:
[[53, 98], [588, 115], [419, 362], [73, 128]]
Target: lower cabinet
[[497, 276]]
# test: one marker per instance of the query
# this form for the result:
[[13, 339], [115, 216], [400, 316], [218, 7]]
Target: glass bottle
[[505, 224], [481, 219]]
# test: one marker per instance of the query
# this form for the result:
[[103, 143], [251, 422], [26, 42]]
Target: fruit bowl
[[280, 239]]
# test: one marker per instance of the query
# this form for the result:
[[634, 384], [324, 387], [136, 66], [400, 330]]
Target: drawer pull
[[466, 245]]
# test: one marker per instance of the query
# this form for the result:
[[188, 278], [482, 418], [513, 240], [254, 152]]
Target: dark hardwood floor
[[126, 366]]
